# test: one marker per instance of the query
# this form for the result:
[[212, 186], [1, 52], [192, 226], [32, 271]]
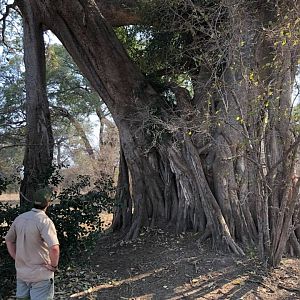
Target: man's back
[[34, 233]]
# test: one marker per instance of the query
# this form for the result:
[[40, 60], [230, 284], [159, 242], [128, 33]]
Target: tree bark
[[123, 214], [39, 140]]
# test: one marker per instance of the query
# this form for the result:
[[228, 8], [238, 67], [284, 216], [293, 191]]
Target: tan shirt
[[34, 233]]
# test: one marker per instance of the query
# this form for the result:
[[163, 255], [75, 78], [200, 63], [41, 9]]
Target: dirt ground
[[160, 265]]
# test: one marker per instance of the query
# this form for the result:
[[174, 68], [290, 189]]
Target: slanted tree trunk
[[221, 169], [103, 122], [59, 143], [39, 140], [64, 112]]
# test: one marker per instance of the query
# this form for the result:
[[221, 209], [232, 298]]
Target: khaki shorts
[[41, 290]]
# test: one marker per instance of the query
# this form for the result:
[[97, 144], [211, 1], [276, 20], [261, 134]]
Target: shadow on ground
[[165, 266]]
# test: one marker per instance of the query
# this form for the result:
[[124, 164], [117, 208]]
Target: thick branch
[[112, 74], [3, 19]]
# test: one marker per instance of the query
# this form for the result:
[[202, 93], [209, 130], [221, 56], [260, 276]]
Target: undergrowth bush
[[76, 215], [7, 273]]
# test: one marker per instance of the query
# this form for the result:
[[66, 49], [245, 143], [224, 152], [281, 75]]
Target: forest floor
[[161, 265]]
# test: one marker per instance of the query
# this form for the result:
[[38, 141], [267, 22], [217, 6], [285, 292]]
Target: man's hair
[[41, 198]]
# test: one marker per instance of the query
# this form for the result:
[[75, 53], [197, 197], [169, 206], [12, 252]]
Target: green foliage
[[9, 184], [12, 91], [67, 88], [77, 214], [177, 37], [8, 213], [3, 184], [10, 162], [296, 119], [66, 85], [154, 51], [12, 96]]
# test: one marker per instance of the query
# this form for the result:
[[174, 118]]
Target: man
[[32, 242]]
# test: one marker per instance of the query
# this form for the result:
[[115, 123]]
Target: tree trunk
[[123, 214], [39, 139]]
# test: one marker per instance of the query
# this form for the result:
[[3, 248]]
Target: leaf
[[251, 76], [238, 281]]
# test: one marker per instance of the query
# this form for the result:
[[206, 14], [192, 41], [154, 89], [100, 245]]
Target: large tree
[[218, 160]]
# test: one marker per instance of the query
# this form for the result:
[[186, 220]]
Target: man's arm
[[11, 247], [49, 235], [54, 255], [10, 240], [54, 258]]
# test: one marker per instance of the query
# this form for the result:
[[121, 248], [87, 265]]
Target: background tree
[[12, 99], [72, 103], [71, 97]]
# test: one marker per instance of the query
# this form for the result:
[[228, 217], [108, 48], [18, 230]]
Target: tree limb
[[3, 19], [64, 112], [12, 146]]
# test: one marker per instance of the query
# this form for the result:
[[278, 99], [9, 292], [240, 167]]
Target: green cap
[[42, 196]]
